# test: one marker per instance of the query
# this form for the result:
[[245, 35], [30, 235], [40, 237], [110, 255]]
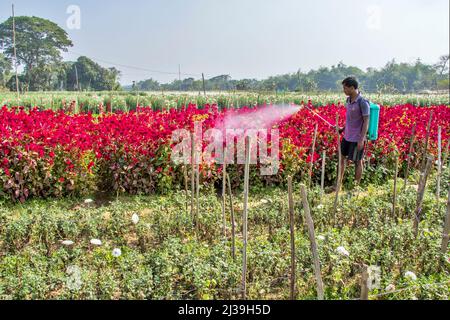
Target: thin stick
[[192, 174], [394, 198], [411, 146], [185, 175], [445, 236], [204, 88], [322, 177], [312, 156], [420, 193], [224, 186], [338, 179], [427, 137], [15, 52], [246, 187], [291, 225], [197, 193], [312, 239], [445, 156], [233, 230], [439, 167]]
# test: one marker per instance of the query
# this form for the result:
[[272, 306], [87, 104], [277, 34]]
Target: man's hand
[[341, 130]]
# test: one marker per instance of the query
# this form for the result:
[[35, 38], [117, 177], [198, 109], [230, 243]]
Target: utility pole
[[15, 53], [76, 77], [204, 89], [179, 75]]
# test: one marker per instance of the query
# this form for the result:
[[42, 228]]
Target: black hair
[[350, 82]]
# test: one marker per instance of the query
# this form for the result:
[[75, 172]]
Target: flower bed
[[55, 154]]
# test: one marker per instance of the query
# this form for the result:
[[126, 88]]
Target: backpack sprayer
[[374, 120]]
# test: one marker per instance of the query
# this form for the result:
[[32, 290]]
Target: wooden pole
[[427, 137], [233, 229], [311, 162], [420, 193], [197, 189], [411, 146], [78, 84], [245, 218], [224, 187], [394, 198], [185, 175], [192, 174], [338, 179], [204, 87], [15, 51], [322, 177], [364, 286], [439, 167], [445, 234], [312, 239], [445, 155], [292, 229]]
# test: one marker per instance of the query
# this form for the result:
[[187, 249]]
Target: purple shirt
[[354, 118]]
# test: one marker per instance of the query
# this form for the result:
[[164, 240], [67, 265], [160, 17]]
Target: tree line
[[40, 43]]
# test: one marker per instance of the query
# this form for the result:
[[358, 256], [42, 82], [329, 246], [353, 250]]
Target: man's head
[[350, 86]]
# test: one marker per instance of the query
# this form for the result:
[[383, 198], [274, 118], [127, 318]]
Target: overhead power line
[[134, 67]]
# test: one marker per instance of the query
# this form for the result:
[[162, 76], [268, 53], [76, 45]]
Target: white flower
[[342, 251], [321, 237], [320, 206], [410, 275], [390, 287], [135, 218], [117, 252], [96, 242], [87, 201], [264, 201], [67, 242]]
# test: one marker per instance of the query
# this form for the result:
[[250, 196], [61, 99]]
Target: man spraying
[[355, 129]]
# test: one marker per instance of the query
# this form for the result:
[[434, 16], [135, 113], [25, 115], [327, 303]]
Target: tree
[[91, 76], [5, 68], [39, 43]]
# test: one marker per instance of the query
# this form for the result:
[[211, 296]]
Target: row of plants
[[55, 154], [98, 102], [145, 247]]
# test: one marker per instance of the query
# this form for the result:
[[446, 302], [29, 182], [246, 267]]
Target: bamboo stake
[[185, 175], [338, 179], [246, 187], [420, 193], [197, 182], [394, 198], [322, 177], [311, 162], [312, 239], [192, 174], [224, 186], [291, 225], [203, 81], [15, 52], [427, 137], [439, 167], [445, 234], [411, 146], [233, 229]]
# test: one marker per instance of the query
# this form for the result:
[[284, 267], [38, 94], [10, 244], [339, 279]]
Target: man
[[356, 126]]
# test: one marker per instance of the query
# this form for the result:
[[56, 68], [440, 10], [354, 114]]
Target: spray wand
[[326, 121]]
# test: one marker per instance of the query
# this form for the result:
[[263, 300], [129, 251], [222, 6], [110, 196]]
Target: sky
[[244, 38]]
